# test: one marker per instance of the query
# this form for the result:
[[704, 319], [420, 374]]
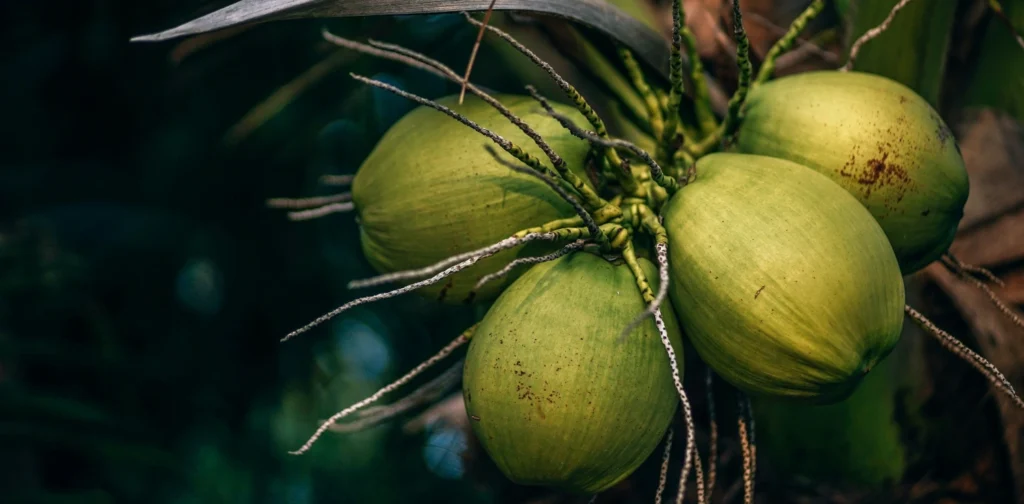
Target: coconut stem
[[786, 42], [960, 269], [960, 350], [570, 91], [507, 243], [337, 180], [657, 174], [629, 255], [745, 421], [429, 392], [636, 75], [385, 295], [623, 175], [692, 458], [685, 159], [588, 220], [713, 433], [316, 213], [997, 8], [871, 34], [552, 226], [732, 118], [661, 253], [469, 260], [682, 36], [304, 203], [574, 246], [447, 350], [663, 475], [970, 268]]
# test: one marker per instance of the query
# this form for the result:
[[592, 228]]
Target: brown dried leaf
[[996, 243], [992, 144], [1013, 290]]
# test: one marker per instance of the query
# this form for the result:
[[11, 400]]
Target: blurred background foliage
[[144, 285]]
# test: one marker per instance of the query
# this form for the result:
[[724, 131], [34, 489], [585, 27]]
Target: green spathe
[[555, 398], [431, 190], [877, 139], [783, 282]]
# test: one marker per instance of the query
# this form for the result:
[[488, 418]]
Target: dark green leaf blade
[[597, 14]]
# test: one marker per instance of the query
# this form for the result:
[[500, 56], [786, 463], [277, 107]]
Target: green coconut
[[430, 190], [877, 139], [554, 396], [782, 281]]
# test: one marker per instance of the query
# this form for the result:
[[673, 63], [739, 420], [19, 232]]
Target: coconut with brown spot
[[558, 398], [877, 139]]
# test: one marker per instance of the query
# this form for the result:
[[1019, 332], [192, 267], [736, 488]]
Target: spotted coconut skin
[[430, 190], [783, 282], [878, 140], [554, 396]]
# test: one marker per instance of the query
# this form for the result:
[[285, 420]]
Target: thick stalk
[[651, 102], [570, 91], [683, 37], [786, 42], [732, 118]]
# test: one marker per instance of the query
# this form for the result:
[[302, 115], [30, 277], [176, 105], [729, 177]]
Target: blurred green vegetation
[[913, 51], [144, 285], [998, 73]]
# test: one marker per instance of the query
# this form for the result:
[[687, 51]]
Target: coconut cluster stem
[[602, 142], [962, 271], [570, 91], [657, 173], [683, 38], [568, 249], [552, 226], [732, 118], [629, 255], [651, 101], [786, 42], [994, 376], [585, 216]]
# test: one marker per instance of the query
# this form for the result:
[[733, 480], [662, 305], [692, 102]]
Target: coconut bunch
[[774, 240]]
